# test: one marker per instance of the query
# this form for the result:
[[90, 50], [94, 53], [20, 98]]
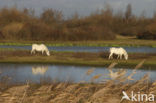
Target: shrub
[[147, 35], [149, 32], [35, 30], [129, 31], [11, 31], [1, 35], [8, 16]]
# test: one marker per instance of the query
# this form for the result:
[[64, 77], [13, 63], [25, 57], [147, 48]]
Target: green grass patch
[[129, 42], [77, 58]]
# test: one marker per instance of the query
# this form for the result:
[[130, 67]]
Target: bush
[[20, 25], [11, 31], [1, 35], [8, 16], [35, 30], [91, 33], [129, 31], [50, 26], [147, 35], [149, 32]]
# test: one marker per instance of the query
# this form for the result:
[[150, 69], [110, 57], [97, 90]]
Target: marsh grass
[[121, 41], [13, 52], [109, 91], [76, 58]]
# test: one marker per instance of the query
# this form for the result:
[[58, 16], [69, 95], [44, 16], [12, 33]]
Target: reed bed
[[107, 91]]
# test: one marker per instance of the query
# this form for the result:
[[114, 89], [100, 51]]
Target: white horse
[[119, 52], [41, 48]]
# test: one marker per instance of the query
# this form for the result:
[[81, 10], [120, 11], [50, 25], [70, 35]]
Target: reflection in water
[[20, 73], [39, 70], [113, 75], [117, 74]]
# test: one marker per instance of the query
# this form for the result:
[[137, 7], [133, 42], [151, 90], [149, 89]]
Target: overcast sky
[[83, 7]]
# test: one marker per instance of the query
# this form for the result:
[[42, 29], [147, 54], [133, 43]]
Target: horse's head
[[48, 53], [126, 56]]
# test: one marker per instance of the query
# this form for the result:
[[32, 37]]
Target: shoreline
[[151, 66], [107, 43], [77, 59]]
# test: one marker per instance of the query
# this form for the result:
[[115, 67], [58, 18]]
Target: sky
[[82, 7]]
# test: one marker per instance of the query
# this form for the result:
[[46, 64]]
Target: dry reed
[[105, 92]]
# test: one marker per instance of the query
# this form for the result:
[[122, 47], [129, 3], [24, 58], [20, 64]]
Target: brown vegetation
[[108, 91], [50, 25]]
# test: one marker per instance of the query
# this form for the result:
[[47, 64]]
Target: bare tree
[[128, 12], [154, 14], [50, 16], [143, 16]]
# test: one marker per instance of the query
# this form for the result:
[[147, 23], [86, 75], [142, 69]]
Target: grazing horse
[[119, 52], [41, 48]]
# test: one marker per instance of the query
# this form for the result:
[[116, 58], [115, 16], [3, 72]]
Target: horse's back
[[113, 49], [34, 45], [38, 46], [110, 49], [43, 45], [117, 50], [122, 49]]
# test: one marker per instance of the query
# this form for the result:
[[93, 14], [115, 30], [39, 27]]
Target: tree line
[[50, 25]]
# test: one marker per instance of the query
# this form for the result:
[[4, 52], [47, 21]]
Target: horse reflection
[[39, 70]]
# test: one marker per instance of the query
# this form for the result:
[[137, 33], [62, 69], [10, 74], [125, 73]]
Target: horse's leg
[[118, 56], [31, 51], [125, 56], [42, 52], [110, 55]]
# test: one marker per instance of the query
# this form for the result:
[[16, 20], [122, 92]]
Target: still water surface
[[142, 49], [19, 73]]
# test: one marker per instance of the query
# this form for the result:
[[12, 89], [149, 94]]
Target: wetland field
[[75, 72], [48, 55]]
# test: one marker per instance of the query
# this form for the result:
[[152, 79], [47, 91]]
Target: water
[[19, 73], [142, 49]]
